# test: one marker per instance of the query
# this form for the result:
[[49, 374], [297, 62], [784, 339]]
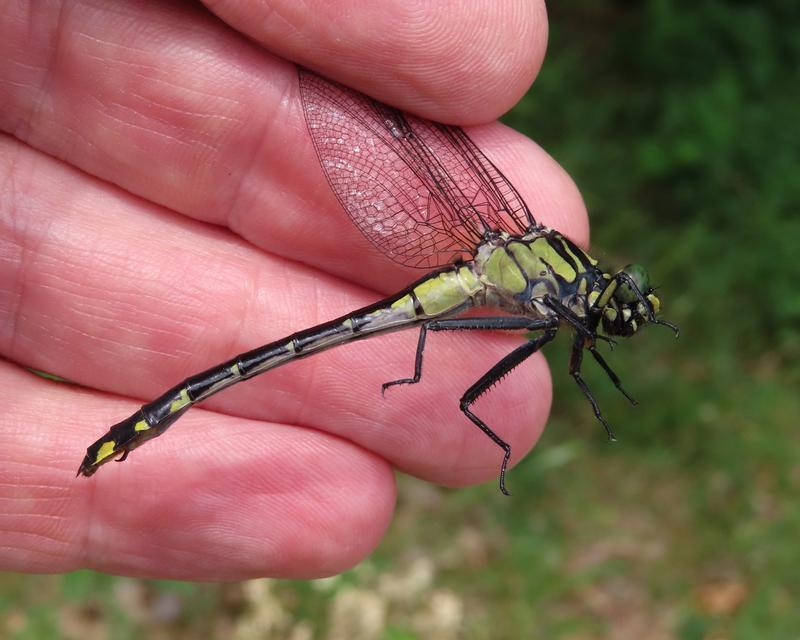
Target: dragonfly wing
[[422, 192]]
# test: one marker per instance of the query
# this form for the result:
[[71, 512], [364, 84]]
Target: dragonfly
[[427, 197]]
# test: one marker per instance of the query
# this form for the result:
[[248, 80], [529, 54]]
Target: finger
[[211, 127], [138, 309], [231, 499], [458, 62]]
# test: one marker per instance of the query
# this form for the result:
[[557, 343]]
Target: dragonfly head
[[633, 303]]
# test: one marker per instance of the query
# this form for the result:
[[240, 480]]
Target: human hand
[[163, 210]]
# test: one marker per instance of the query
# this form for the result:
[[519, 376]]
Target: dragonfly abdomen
[[438, 294]]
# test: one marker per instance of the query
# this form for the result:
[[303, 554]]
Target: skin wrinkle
[[272, 9], [231, 214], [183, 112], [145, 128], [311, 375], [26, 125], [33, 465], [35, 551], [170, 337], [28, 485], [38, 548], [162, 105], [150, 76], [236, 334], [74, 134], [23, 257], [110, 47], [93, 311], [33, 516], [79, 548]]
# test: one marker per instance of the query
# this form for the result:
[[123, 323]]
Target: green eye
[[640, 277]]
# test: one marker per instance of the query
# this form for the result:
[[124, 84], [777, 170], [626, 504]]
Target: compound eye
[[625, 293]]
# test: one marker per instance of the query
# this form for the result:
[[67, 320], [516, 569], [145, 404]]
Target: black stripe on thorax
[[584, 266]]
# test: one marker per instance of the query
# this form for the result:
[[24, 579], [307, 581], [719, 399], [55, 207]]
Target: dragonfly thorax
[[520, 271]]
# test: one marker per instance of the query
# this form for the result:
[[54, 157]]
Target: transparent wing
[[421, 191]]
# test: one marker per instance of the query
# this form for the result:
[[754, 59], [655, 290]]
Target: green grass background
[[679, 122]]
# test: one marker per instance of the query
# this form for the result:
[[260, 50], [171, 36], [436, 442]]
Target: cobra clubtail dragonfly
[[427, 197]]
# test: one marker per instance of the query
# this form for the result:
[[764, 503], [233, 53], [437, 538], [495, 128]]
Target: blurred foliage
[[677, 120]]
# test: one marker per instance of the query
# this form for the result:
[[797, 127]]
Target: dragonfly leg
[[584, 332], [423, 332], [503, 323], [575, 360], [587, 332], [491, 377], [610, 373]]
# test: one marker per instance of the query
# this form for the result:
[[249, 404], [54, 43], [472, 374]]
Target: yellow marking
[[181, 402], [469, 281], [528, 261], [543, 248], [141, 426], [348, 323], [602, 301], [108, 448], [610, 313], [626, 314], [290, 346], [236, 371], [540, 289], [634, 326], [503, 272], [582, 287], [579, 260], [405, 305], [592, 298], [441, 293], [653, 300]]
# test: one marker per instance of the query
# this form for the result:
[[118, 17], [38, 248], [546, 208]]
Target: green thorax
[[517, 271]]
